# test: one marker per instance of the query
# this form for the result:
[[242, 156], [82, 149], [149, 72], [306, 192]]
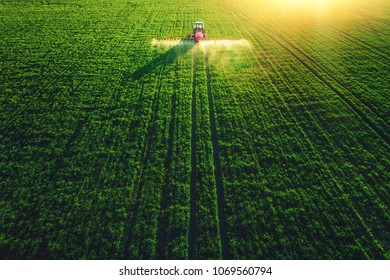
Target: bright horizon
[[307, 7]]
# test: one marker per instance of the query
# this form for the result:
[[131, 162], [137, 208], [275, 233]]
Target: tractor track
[[333, 69], [374, 52], [285, 79], [131, 238], [368, 27], [351, 105], [193, 225], [324, 70], [162, 234], [380, 20], [383, 54], [330, 75], [221, 204], [348, 201]]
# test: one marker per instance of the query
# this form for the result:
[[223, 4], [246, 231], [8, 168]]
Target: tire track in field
[[377, 129], [53, 92], [380, 20], [326, 71], [193, 226], [285, 78], [130, 237], [379, 52], [162, 233], [367, 26], [344, 195], [221, 204], [331, 76]]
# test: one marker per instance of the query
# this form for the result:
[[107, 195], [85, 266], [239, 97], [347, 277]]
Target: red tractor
[[199, 33]]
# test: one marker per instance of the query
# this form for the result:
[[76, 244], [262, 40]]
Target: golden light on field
[[291, 4], [305, 7]]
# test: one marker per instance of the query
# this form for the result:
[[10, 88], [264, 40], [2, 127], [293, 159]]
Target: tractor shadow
[[170, 56]]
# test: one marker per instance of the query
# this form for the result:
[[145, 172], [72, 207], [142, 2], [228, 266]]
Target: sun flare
[[305, 7], [295, 3]]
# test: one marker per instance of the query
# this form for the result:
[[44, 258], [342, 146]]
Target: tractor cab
[[199, 25], [199, 33]]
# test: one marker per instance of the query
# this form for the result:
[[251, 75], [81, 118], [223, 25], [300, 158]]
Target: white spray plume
[[228, 44], [169, 43], [218, 51]]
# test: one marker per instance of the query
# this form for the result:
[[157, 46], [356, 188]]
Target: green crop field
[[120, 138]]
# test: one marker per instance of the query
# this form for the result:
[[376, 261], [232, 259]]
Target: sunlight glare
[[306, 7]]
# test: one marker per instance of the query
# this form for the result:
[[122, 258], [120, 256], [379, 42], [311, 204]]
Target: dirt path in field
[[193, 228], [223, 228]]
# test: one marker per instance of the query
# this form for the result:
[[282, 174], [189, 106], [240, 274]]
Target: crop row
[[113, 148], [304, 152]]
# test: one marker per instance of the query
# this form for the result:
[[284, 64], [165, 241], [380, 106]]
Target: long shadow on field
[[176, 51]]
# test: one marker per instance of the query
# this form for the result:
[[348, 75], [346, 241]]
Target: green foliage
[[104, 155]]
